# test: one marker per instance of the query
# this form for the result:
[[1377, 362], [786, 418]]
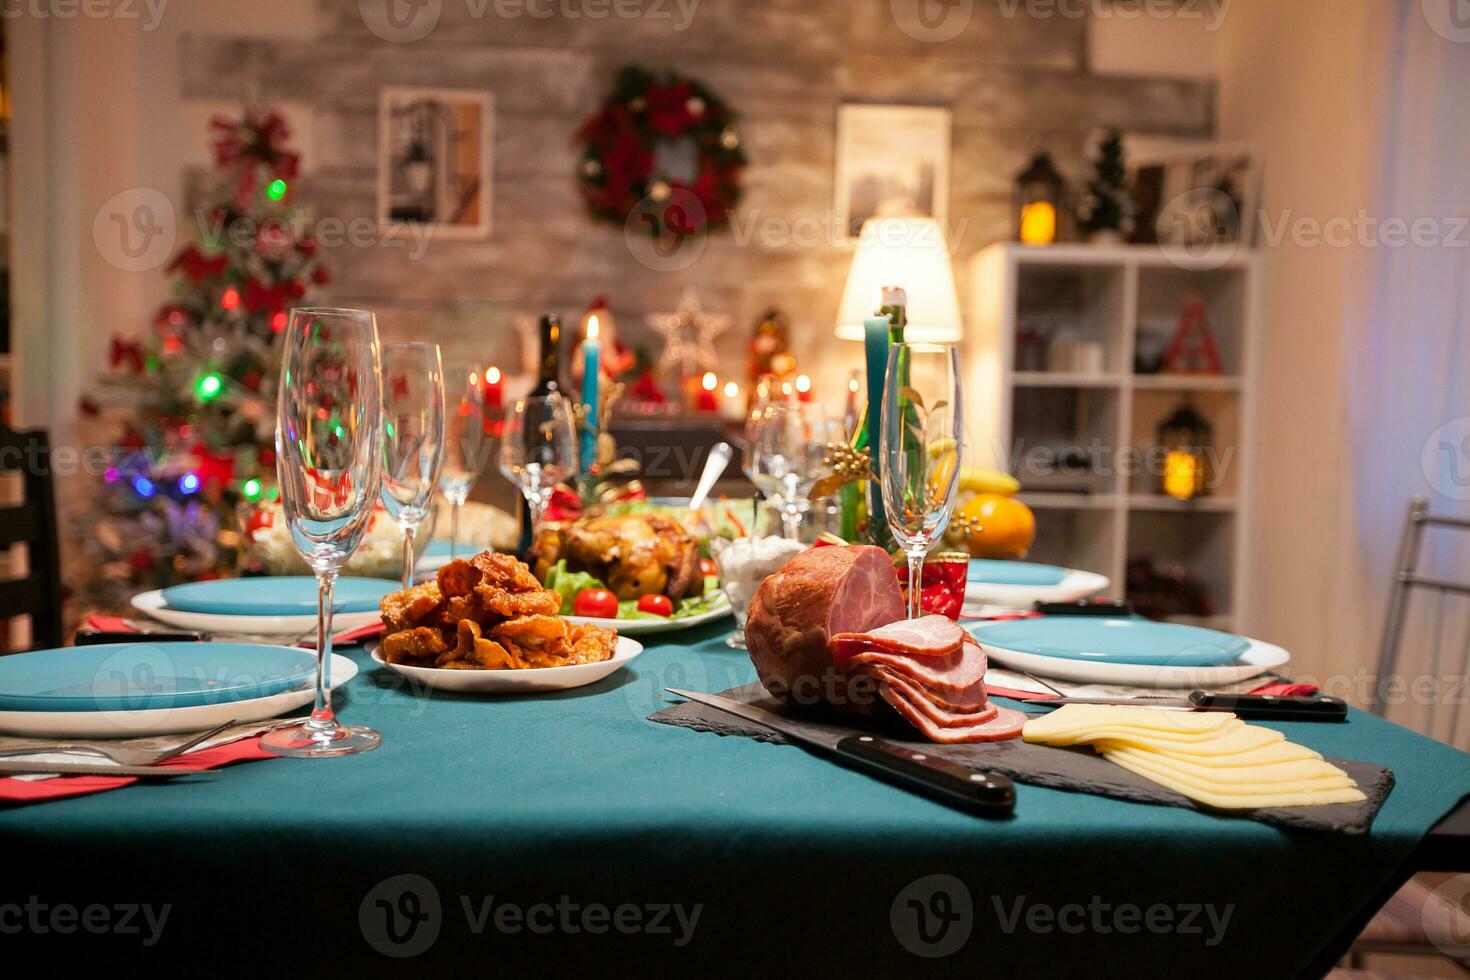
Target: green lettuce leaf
[[567, 584]]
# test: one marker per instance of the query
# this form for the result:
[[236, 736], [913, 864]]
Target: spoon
[[714, 465]]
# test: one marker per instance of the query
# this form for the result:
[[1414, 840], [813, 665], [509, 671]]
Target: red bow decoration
[[129, 352]]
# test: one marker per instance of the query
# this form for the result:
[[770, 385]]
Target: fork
[[122, 756]]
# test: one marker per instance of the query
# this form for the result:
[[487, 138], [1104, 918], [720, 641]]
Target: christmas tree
[[197, 393], [1108, 206]]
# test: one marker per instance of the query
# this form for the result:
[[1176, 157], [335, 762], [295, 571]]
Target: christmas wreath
[[620, 161]]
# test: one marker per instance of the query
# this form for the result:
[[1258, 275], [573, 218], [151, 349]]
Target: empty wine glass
[[466, 440], [413, 437], [539, 449], [329, 418], [785, 446], [920, 445]]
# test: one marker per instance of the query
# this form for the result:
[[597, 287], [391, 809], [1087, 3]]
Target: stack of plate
[[1018, 584], [119, 690], [1126, 651], [283, 605]]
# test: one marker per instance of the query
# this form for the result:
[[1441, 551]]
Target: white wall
[[1306, 81], [1125, 41]]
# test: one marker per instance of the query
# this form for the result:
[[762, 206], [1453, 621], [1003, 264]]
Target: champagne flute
[[784, 457], [329, 418], [921, 441], [539, 449], [413, 437], [465, 441]]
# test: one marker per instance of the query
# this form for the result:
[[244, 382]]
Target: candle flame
[[852, 385], [475, 379], [592, 327], [803, 384], [492, 376], [786, 388], [710, 381], [731, 389]]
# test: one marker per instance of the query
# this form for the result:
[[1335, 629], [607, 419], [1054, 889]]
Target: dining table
[[566, 830]]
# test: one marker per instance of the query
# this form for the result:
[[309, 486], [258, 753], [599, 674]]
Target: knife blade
[[1262, 707], [89, 769], [992, 794]]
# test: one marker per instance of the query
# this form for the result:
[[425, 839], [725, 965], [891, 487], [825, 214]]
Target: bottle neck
[[550, 364], [897, 319]]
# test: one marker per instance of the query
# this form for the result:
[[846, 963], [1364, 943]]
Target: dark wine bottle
[[548, 382]]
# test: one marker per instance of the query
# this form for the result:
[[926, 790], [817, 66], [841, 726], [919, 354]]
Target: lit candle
[[730, 407], [1038, 223], [707, 385], [803, 388], [591, 352], [494, 393]]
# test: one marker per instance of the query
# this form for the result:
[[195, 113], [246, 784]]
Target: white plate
[[515, 681], [153, 604], [639, 627], [1076, 584], [1257, 659], [163, 721]]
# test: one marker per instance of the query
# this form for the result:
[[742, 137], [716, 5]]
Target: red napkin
[[1287, 690], [21, 791], [117, 624]]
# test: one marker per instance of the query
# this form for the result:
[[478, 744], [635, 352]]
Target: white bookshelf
[[1101, 515]]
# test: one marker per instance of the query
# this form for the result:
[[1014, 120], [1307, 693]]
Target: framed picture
[[434, 159], [891, 160], [1196, 195]]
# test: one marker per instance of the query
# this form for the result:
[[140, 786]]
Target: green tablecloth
[[575, 800]]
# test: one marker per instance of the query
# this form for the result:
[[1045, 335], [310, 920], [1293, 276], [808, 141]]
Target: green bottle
[[862, 514]]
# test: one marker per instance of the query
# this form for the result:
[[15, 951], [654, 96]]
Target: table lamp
[[909, 253]]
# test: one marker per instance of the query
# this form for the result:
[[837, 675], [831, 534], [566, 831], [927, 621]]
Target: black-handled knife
[[1261, 707], [988, 793]]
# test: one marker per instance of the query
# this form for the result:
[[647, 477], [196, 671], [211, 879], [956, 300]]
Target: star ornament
[[689, 337]]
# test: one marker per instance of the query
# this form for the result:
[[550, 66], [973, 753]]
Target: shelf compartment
[[1062, 439], [1086, 304], [1200, 542], [1161, 295], [1082, 539], [1220, 408]]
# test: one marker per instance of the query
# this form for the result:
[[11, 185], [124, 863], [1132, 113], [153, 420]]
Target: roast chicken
[[635, 554]]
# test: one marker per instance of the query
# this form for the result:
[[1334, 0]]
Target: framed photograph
[[434, 159], [891, 160], [1196, 195]]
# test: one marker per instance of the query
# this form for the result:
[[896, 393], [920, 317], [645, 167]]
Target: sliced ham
[[1003, 725], [932, 636], [951, 676], [940, 714], [814, 596], [968, 701]]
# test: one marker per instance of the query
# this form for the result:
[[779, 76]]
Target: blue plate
[[1118, 641], [996, 572], [281, 595], [440, 548], [138, 676]]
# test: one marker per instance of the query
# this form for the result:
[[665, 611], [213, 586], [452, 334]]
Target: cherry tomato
[[659, 605], [707, 568], [595, 604]]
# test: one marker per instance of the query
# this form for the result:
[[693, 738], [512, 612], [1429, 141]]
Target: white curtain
[[1408, 349]]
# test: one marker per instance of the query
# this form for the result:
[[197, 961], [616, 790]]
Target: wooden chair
[[1415, 921], [32, 522]]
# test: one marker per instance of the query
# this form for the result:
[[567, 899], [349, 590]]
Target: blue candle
[[591, 355], [875, 342]]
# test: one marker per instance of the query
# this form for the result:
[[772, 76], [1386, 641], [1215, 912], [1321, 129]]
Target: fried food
[[635, 554], [488, 613]]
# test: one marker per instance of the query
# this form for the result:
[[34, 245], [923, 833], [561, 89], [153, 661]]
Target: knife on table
[[1262, 707], [988, 793], [90, 769]]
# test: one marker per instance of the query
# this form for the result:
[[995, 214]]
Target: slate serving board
[[1076, 769]]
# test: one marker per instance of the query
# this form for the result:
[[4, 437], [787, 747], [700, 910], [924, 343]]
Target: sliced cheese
[[1283, 795], [1300, 772], [1250, 746], [1071, 720], [1241, 740]]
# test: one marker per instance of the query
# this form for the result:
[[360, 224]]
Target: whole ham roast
[[829, 627]]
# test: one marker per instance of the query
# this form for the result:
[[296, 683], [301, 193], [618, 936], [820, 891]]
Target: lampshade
[[909, 253]]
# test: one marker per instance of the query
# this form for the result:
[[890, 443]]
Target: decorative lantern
[[1040, 191], [1185, 440]]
